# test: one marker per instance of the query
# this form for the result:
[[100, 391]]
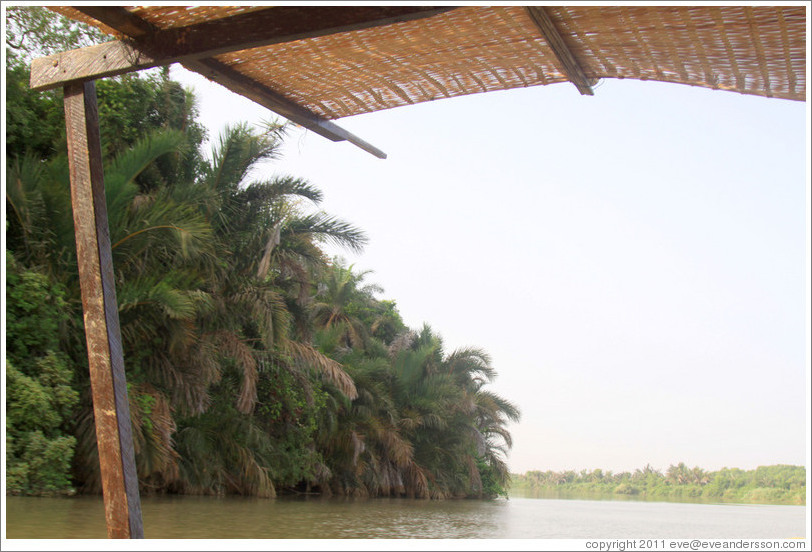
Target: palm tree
[[366, 451], [267, 253], [457, 428], [679, 474], [699, 476], [338, 301], [263, 239]]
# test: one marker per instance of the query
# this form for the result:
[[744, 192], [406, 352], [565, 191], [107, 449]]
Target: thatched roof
[[360, 66]]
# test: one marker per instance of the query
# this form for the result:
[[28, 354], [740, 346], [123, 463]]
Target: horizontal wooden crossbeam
[[570, 65], [90, 63], [150, 47]]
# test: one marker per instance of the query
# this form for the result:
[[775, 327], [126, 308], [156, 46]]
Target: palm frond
[[328, 368], [120, 173], [327, 229], [279, 188], [470, 363], [167, 292], [162, 229], [153, 428], [34, 214], [237, 151], [235, 348], [494, 403]]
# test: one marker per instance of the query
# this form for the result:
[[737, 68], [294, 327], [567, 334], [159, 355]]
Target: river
[[314, 518]]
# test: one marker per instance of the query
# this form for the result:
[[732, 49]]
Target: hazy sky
[[635, 262]]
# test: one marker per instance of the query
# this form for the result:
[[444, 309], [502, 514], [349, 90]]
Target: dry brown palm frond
[[479, 440], [328, 368], [391, 480], [140, 201], [267, 308], [467, 405], [188, 373], [248, 389], [155, 453], [252, 479], [359, 492], [234, 347], [399, 449], [410, 420], [153, 428], [299, 273], [182, 335], [393, 446], [321, 473], [415, 481], [193, 371]]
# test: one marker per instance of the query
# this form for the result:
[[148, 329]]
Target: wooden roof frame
[[194, 47], [570, 65]]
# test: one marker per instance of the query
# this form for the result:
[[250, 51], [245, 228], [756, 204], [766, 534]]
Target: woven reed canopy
[[366, 61]]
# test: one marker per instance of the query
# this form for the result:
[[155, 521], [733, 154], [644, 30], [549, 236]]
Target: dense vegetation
[[778, 484], [255, 364]]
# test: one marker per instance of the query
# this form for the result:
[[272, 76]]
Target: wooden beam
[[93, 62], [122, 503], [120, 19], [151, 47], [237, 82], [570, 65]]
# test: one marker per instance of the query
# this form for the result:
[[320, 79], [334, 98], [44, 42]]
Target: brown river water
[[315, 518]]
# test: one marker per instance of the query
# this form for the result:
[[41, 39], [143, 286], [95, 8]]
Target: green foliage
[[493, 484], [34, 121], [33, 31], [133, 106], [35, 312], [40, 400], [37, 465], [778, 484], [130, 106], [288, 409]]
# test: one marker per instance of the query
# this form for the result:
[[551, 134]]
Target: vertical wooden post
[[122, 502]]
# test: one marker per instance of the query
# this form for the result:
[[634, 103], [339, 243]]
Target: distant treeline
[[779, 484]]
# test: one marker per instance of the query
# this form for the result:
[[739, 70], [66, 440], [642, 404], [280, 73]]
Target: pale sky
[[634, 262]]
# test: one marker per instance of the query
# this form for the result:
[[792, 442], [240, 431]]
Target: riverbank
[[778, 484]]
